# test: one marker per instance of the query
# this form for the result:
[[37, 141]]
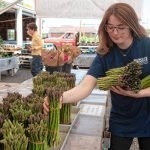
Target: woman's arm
[[144, 92], [81, 91], [141, 93], [75, 94]]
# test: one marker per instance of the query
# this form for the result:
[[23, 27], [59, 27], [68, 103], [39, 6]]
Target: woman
[[122, 41], [36, 48]]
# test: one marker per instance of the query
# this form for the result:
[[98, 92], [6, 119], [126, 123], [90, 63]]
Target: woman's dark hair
[[32, 26]]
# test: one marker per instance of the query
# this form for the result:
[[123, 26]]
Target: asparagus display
[[2, 119], [37, 132], [57, 80], [34, 103], [46, 80], [19, 112], [7, 101], [14, 136]]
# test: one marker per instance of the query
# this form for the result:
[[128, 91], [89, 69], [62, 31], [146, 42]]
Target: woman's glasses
[[120, 28]]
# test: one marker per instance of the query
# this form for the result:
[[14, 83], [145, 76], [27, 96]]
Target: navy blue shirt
[[129, 117]]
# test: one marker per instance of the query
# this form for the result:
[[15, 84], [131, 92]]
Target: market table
[[10, 64], [86, 130]]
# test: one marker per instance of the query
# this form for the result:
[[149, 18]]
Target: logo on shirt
[[142, 61]]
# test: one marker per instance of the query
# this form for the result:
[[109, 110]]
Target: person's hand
[[46, 105], [123, 92], [30, 48]]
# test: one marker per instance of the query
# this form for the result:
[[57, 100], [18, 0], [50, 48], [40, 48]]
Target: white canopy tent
[[7, 4], [80, 9]]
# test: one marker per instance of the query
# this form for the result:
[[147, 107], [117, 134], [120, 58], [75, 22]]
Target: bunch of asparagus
[[20, 112], [145, 82], [14, 136], [65, 111], [34, 103], [1, 108], [46, 80], [39, 82], [54, 116], [11, 97], [127, 77], [59, 81], [37, 132], [2, 119]]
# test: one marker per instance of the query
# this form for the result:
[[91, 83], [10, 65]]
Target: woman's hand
[[30, 48], [46, 105], [129, 93]]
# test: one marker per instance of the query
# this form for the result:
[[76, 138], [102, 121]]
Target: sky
[[145, 14], [146, 7]]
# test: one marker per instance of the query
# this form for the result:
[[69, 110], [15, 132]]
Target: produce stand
[[85, 130]]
